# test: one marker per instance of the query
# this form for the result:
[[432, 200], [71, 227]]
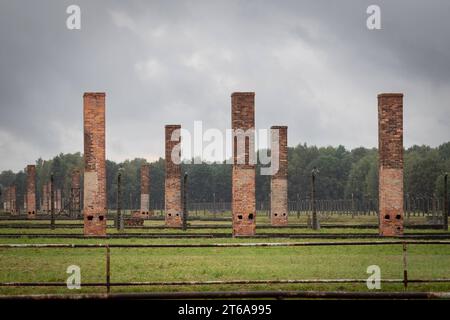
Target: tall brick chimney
[[48, 196], [58, 200], [145, 187], [13, 200], [31, 192], [243, 175], [44, 201], [6, 205], [94, 209], [173, 205], [279, 182], [75, 193], [390, 148]]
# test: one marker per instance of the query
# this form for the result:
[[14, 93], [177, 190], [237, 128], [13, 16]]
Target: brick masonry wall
[[94, 208], [172, 186], [44, 201], [279, 182], [7, 199], [31, 192], [58, 200], [390, 148], [243, 174], [75, 194], [49, 197], [7, 203], [5, 192], [145, 187], [13, 200]]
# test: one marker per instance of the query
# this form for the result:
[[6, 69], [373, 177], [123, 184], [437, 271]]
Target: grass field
[[204, 264]]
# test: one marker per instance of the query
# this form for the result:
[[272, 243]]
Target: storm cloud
[[314, 66]]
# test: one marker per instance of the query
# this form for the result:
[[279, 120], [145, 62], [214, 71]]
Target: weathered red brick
[[58, 200], [243, 174], [145, 187], [10, 200], [390, 148], [94, 208], [279, 183], [75, 192], [31, 192], [173, 205], [13, 200]]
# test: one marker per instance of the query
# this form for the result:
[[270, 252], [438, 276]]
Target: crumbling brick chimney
[[243, 175], [13, 200], [94, 208], [390, 148], [44, 200], [7, 200], [173, 205], [279, 180], [58, 200], [145, 187], [31, 192], [75, 193]]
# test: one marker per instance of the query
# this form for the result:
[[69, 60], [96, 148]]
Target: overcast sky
[[314, 66]]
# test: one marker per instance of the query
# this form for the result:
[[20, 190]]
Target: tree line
[[342, 174]]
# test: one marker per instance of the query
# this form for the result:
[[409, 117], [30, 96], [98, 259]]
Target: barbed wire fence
[[432, 208]]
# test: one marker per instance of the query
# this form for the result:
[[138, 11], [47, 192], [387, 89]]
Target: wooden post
[[445, 204], [353, 206], [108, 269], [214, 204], [131, 203], [405, 267], [315, 222], [185, 209], [119, 217], [52, 204]]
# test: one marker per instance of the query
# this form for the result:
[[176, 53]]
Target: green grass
[[201, 264], [184, 264]]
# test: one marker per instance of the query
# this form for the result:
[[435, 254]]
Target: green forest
[[342, 173]]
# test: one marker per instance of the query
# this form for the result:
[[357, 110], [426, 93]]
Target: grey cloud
[[313, 64]]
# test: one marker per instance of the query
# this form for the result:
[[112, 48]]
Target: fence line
[[108, 284], [414, 206]]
